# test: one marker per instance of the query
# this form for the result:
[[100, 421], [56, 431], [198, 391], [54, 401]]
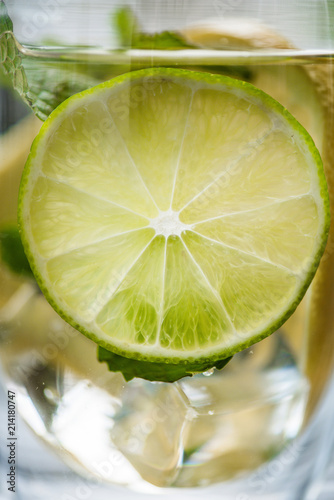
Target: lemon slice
[[173, 216]]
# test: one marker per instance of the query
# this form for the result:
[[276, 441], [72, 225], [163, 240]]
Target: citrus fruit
[[173, 216]]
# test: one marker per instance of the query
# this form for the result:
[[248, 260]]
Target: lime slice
[[173, 216]]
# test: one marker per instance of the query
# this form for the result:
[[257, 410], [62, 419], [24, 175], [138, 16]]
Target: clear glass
[[261, 427]]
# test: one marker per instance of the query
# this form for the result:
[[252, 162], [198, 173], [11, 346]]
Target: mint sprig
[[156, 372]]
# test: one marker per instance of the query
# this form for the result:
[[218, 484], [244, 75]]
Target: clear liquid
[[199, 430], [209, 428]]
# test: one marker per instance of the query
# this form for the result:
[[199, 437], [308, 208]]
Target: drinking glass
[[261, 428]]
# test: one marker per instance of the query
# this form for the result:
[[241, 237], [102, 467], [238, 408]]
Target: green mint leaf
[[12, 253], [50, 84], [155, 372], [166, 40], [42, 85], [126, 26], [130, 34], [5, 21], [10, 58]]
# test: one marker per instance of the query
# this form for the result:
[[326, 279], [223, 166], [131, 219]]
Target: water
[[216, 426], [193, 432]]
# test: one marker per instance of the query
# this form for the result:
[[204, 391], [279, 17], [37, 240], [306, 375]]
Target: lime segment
[[254, 290], [158, 115], [91, 274], [222, 128], [270, 170], [88, 219], [173, 216], [262, 232], [88, 138], [133, 312]]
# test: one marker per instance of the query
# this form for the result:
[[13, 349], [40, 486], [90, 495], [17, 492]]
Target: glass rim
[[201, 56]]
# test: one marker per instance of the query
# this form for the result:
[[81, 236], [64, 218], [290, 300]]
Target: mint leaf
[[42, 85], [126, 25], [166, 40], [5, 21], [9, 54], [48, 85], [155, 372], [12, 253], [130, 34]]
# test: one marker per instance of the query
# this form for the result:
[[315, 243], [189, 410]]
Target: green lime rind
[[155, 372], [192, 80]]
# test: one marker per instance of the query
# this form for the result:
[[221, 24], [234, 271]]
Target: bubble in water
[[208, 373]]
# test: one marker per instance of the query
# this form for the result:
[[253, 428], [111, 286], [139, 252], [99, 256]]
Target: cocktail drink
[[175, 215]]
